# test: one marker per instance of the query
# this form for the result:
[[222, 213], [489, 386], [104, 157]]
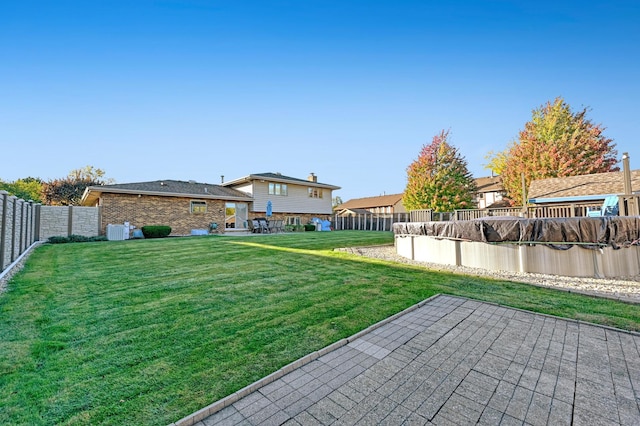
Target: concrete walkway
[[452, 361]]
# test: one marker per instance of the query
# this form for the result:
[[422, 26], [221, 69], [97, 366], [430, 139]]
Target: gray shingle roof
[[173, 188], [583, 185], [371, 202], [489, 184]]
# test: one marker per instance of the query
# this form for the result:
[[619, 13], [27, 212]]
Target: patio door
[[236, 215]]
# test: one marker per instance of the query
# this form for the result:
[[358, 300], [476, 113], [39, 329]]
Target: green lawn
[[149, 331]]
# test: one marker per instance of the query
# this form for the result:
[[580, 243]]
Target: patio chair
[[609, 208], [263, 226], [254, 226]]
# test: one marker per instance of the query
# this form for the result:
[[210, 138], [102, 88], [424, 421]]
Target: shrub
[[75, 239], [58, 240], [156, 231]]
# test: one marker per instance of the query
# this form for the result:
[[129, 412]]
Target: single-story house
[[582, 189], [383, 204], [189, 205], [351, 212], [490, 191]]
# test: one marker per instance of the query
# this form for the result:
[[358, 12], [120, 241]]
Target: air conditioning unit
[[117, 232]]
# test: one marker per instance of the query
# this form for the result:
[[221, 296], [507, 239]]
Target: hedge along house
[[184, 206], [295, 201]]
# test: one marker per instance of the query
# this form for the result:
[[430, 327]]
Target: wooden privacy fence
[[369, 222], [564, 210], [630, 206]]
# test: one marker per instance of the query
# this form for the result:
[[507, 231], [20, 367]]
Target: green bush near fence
[[75, 239], [156, 231]]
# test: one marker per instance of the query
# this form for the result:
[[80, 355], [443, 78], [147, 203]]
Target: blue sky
[[348, 90]]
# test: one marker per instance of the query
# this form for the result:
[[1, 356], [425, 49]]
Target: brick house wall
[[154, 210]]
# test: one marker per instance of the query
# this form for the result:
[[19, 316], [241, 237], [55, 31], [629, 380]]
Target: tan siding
[[297, 200], [399, 207]]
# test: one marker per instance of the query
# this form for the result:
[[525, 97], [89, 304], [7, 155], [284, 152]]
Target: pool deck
[[451, 361]]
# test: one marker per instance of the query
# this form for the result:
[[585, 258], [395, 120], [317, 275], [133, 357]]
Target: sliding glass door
[[236, 215]]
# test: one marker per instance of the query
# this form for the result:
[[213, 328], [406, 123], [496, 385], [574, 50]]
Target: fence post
[[3, 228], [23, 225], [37, 224], [31, 223], [70, 221], [13, 230]]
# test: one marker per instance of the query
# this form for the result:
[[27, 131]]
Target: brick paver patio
[[454, 361]]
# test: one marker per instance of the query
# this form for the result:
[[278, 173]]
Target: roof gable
[[489, 184], [371, 202], [583, 185], [277, 177]]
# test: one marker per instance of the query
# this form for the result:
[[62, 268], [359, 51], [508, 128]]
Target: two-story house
[[489, 191], [296, 201], [189, 205]]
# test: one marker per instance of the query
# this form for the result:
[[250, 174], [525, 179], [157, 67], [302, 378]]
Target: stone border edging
[[13, 268], [211, 409]]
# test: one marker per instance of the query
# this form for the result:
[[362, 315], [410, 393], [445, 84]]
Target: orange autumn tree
[[439, 179], [555, 143], [68, 191]]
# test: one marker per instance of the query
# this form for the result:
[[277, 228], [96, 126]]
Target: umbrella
[[269, 209]]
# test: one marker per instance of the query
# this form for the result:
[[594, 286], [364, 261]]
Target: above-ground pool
[[602, 247]]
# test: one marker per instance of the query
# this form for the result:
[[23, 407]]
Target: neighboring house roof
[[352, 211], [489, 184], [371, 202], [499, 204], [583, 187], [278, 177], [166, 188]]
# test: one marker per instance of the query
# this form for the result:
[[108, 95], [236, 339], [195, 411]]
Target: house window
[[277, 188], [293, 220], [198, 206], [315, 193]]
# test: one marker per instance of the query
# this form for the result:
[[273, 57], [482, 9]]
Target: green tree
[[337, 200], [68, 191], [496, 162], [439, 179], [556, 143], [27, 188]]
